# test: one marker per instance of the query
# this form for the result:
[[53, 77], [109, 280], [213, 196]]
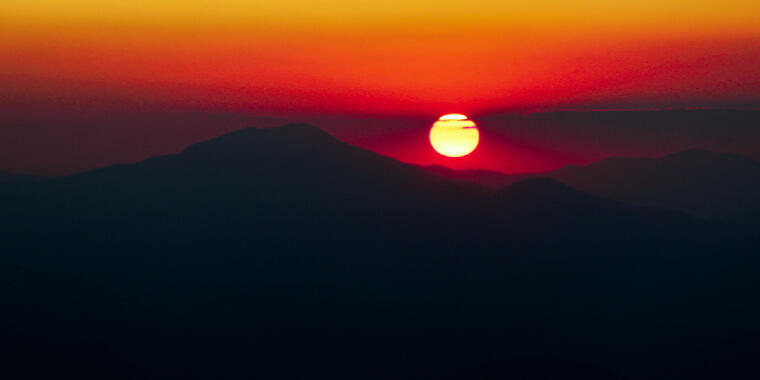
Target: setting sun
[[453, 135]]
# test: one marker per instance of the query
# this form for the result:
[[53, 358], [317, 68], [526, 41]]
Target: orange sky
[[86, 83], [385, 57]]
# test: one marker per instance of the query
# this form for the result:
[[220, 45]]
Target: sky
[[298, 59]]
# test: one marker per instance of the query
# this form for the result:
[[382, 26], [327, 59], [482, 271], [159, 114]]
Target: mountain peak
[[703, 155], [252, 137]]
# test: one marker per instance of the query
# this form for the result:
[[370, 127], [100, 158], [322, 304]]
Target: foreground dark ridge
[[6, 177], [285, 253]]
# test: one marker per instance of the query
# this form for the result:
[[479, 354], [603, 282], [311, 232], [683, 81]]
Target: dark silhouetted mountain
[[711, 185], [541, 191], [285, 253], [707, 184], [594, 134], [12, 177], [483, 177]]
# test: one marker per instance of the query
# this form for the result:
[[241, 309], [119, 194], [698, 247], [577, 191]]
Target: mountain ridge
[[276, 247], [8, 177], [714, 185]]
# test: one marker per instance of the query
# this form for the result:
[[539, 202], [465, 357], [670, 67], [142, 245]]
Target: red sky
[[84, 83]]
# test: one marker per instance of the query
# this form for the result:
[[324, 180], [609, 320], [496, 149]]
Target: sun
[[454, 135]]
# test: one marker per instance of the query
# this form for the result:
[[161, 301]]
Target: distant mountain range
[[712, 185], [285, 253], [632, 133]]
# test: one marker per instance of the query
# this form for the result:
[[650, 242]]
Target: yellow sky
[[305, 14]]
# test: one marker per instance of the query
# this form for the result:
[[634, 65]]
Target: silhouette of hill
[[483, 177], [713, 185], [298, 158], [720, 186], [12, 177], [285, 253], [632, 133]]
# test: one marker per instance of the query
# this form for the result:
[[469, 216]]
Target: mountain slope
[[285, 253], [6, 177], [711, 185], [292, 178]]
